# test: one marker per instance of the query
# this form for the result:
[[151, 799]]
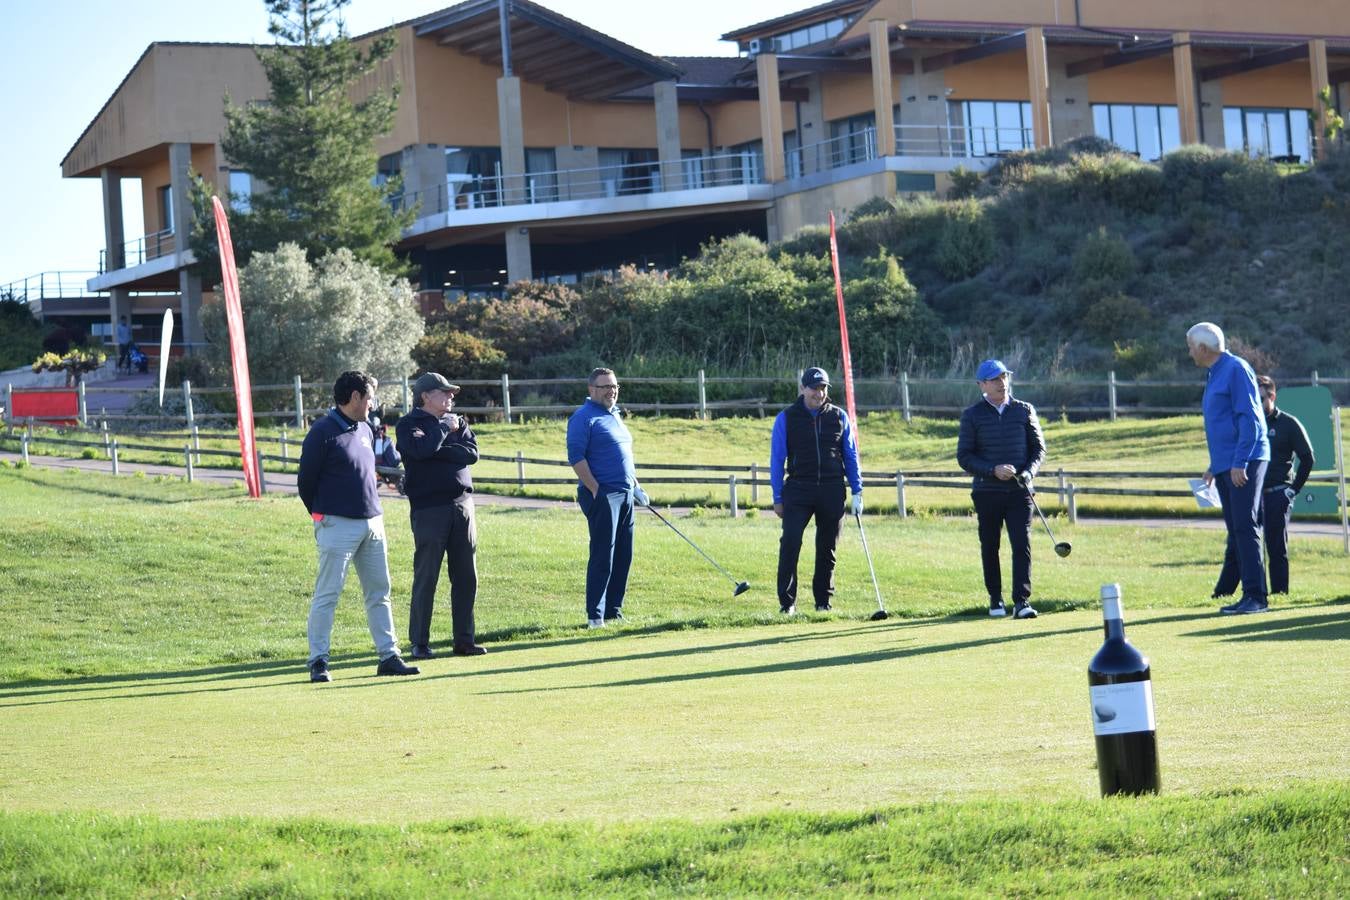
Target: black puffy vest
[[815, 444]]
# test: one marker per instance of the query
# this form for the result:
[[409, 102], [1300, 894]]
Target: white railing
[[140, 250], [48, 286], [952, 141], [463, 192]]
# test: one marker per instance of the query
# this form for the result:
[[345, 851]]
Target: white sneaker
[[997, 609], [1023, 610], [595, 623]]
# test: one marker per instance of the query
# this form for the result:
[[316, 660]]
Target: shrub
[[532, 319], [458, 354], [1253, 186], [1102, 267], [20, 333], [1115, 316], [965, 183], [967, 244], [874, 206]]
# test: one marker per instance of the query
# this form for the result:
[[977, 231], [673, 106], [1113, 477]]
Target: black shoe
[[318, 671], [615, 616], [823, 607], [422, 651], [469, 650], [394, 665], [1248, 605], [788, 610], [996, 609], [1023, 610]]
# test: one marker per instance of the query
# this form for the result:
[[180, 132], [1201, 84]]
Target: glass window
[[1101, 120], [628, 170], [981, 128], [1300, 135], [749, 163], [1122, 127], [816, 34], [1232, 129], [1145, 129], [166, 208], [471, 176], [241, 191], [691, 162], [541, 175], [1169, 123], [1281, 134], [853, 139], [1008, 116], [1147, 132]]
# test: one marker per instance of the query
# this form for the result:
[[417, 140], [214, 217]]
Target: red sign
[[49, 406]]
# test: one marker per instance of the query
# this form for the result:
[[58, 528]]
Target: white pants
[[360, 542]]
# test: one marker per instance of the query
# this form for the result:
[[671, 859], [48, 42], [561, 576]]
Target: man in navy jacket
[[437, 448], [1000, 439], [336, 483]]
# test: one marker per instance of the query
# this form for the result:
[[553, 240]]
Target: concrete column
[[668, 135], [1070, 106], [1317, 63], [1211, 114], [923, 122], [190, 295], [511, 127], [114, 240], [576, 171], [518, 264], [1038, 79], [811, 128], [1184, 78], [423, 170], [883, 103], [770, 116], [189, 283]]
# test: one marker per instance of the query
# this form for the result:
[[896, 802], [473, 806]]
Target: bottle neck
[[1114, 629]]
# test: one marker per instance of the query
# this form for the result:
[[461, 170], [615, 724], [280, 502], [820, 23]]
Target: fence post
[[1063, 490], [735, 506], [262, 481], [299, 403], [9, 404], [702, 395], [1340, 477], [520, 469], [187, 402], [285, 450], [117, 470], [84, 407], [23, 447], [1314, 378], [900, 494], [754, 482], [1111, 392], [197, 443], [107, 439], [506, 398], [905, 411], [1073, 505], [187, 461]]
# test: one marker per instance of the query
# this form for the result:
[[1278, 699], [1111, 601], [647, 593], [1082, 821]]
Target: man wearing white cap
[[999, 440]]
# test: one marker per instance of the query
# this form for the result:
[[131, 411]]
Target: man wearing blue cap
[[813, 441], [1000, 443]]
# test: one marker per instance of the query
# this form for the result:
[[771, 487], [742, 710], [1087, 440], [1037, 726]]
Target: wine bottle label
[[1122, 708]]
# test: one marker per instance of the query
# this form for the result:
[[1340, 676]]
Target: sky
[[64, 58]]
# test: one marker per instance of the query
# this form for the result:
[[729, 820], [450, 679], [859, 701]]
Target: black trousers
[[444, 533], [994, 510], [800, 503]]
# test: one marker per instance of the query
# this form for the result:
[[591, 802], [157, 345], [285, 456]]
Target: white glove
[[1290, 494], [640, 497], [857, 504]]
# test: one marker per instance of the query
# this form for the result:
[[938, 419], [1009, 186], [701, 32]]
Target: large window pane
[[1008, 116], [1300, 133], [1258, 132], [1122, 127], [1171, 128], [1234, 135], [1146, 132], [1277, 127], [982, 138], [1101, 121]]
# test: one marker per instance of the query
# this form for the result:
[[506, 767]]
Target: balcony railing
[[141, 250], [462, 192], [951, 141], [48, 286]]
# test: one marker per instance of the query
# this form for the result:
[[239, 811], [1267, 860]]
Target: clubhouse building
[[537, 147]]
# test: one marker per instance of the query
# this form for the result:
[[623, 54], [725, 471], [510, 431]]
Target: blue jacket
[[987, 439], [815, 446], [599, 436], [337, 469], [436, 460], [1235, 423]]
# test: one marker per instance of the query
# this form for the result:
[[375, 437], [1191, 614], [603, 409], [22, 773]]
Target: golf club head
[[879, 615], [1063, 548], [741, 588]]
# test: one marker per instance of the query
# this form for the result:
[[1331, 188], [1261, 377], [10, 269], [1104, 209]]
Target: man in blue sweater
[[813, 441], [600, 451], [999, 440], [336, 483], [1239, 452], [438, 447]]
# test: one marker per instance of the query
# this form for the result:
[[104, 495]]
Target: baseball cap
[[432, 381], [815, 377], [990, 369]]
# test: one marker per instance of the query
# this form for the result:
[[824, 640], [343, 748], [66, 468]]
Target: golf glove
[[857, 503], [1290, 494], [640, 497]]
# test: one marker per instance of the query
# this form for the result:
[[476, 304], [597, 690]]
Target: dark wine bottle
[[1122, 708]]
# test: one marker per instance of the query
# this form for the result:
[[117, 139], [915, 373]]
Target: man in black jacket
[[336, 483], [438, 447], [1000, 439], [1288, 439]]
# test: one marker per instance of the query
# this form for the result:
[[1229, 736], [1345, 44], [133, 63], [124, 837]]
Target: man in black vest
[[1000, 439], [1288, 439], [813, 441], [437, 448]]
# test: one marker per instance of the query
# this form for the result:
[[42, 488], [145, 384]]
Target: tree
[[310, 147], [317, 320]]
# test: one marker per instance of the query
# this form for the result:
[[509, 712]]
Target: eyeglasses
[[606, 387]]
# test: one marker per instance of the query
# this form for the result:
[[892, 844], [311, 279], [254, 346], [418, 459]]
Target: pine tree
[[310, 147]]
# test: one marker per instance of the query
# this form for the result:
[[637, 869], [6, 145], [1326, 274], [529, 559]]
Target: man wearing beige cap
[[438, 447]]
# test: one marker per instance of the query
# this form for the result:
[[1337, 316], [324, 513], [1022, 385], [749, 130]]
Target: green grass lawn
[[163, 738]]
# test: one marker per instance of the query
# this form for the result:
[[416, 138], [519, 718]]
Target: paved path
[[281, 482]]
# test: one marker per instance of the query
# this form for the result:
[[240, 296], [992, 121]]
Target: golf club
[[741, 586], [1062, 548], [881, 607]]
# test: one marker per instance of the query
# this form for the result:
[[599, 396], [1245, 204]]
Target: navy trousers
[[995, 510], [609, 517], [1275, 512], [1242, 516]]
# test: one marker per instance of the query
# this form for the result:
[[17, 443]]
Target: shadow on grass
[[102, 488], [1318, 627]]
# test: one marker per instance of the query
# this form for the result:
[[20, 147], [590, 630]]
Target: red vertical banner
[[234, 318], [846, 356]]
